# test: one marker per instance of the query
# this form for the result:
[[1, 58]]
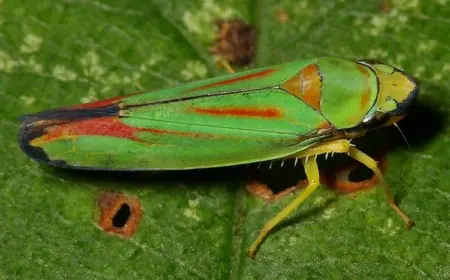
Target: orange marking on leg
[[307, 85]]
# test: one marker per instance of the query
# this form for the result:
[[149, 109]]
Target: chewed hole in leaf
[[118, 214], [122, 216]]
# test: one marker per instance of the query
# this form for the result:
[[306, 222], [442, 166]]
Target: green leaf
[[197, 225]]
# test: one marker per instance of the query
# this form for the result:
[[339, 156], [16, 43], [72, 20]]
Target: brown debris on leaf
[[235, 42], [385, 6], [119, 214]]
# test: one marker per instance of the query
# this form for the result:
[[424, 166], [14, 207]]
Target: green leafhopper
[[295, 110]]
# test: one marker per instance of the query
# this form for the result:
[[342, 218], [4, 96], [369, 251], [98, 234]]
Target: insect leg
[[336, 146], [312, 173], [372, 164], [226, 66]]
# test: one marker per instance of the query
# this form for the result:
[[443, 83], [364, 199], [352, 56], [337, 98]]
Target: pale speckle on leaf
[[126, 80], [133, 79], [319, 200], [389, 228], [399, 59], [405, 4], [193, 203], [6, 62], [152, 61], [358, 21], [301, 8], [28, 100], [419, 70], [426, 46], [446, 67], [356, 37], [62, 73], [32, 66], [191, 212], [378, 53], [135, 76], [193, 70], [106, 89], [328, 213], [113, 78], [379, 23], [201, 21], [92, 96], [425, 156], [31, 43], [92, 67], [292, 240], [191, 24], [437, 77], [324, 9], [403, 18]]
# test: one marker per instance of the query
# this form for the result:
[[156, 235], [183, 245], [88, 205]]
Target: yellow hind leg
[[224, 64], [312, 174], [372, 165]]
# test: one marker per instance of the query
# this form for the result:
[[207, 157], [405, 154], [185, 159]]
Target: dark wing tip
[[35, 125], [27, 132]]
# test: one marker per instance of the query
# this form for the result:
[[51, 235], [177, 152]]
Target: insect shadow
[[159, 180], [423, 123]]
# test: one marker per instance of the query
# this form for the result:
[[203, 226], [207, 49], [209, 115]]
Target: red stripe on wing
[[241, 112], [104, 126]]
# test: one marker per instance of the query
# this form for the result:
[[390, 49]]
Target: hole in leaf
[[121, 218], [119, 214]]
